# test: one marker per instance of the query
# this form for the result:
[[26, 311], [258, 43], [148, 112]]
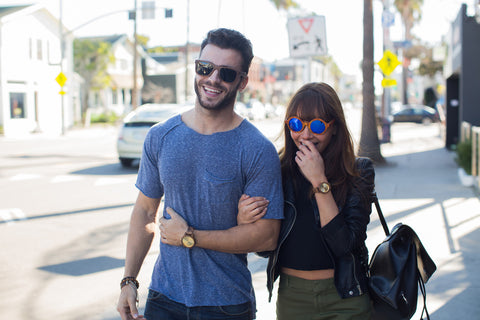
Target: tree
[[91, 60], [285, 4], [369, 143], [411, 12]]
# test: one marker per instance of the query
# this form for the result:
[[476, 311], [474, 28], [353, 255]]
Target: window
[[30, 48], [114, 96], [17, 105], [39, 50], [122, 63]]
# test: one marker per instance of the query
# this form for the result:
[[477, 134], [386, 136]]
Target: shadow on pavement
[[464, 304], [114, 169], [83, 267]]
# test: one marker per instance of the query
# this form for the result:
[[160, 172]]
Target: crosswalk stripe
[[24, 176]]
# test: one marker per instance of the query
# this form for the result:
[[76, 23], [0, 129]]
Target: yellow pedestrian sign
[[388, 63], [61, 79], [388, 82]]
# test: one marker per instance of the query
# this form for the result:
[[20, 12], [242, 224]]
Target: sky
[[259, 20]]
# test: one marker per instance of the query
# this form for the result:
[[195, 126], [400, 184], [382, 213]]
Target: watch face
[[324, 187], [188, 241]]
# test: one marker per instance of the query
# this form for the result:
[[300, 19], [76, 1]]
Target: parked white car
[[256, 110], [136, 125]]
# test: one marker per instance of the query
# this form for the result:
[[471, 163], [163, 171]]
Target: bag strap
[[424, 294], [380, 214]]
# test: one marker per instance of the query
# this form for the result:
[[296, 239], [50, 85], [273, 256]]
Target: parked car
[[136, 125], [242, 109], [256, 110], [419, 114]]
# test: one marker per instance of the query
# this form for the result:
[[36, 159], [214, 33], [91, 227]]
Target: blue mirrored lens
[[295, 124], [317, 126]]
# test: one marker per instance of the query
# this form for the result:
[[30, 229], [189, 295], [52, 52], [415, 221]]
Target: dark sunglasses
[[205, 68], [317, 126]]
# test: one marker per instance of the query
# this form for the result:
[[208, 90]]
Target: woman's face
[[320, 141]]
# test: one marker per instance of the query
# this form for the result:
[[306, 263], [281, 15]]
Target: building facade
[[31, 100]]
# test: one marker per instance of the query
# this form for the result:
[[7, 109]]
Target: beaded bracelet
[[129, 280]]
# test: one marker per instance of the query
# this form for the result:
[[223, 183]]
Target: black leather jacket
[[344, 236]]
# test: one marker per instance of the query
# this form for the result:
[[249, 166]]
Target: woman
[[321, 256]]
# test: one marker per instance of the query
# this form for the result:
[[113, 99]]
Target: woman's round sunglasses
[[317, 126], [205, 68]]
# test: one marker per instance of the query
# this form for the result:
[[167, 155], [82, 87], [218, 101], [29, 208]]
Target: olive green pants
[[300, 299]]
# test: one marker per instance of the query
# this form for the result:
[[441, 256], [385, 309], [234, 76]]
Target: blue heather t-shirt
[[202, 178]]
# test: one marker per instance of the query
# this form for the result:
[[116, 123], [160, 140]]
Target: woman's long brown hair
[[319, 100]]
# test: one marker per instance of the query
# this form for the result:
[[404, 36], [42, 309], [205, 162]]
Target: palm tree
[[369, 143], [411, 12]]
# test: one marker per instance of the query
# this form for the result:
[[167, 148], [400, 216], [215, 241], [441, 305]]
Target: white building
[[30, 57]]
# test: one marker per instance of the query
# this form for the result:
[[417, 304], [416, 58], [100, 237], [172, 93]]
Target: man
[[202, 162]]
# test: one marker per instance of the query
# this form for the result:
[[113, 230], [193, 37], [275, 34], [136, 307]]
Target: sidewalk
[[419, 186]]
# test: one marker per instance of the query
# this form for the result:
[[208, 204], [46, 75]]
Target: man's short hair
[[231, 39]]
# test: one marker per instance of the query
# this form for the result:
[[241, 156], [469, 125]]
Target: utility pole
[[187, 51], [62, 57], [387, 21], [135, 58], [387, 45]]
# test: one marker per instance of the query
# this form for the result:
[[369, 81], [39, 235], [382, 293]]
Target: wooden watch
[[188, 240]]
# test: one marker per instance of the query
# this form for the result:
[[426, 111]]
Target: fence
[[472, 133]]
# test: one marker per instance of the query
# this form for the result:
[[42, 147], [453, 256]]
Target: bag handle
[[380, 214]]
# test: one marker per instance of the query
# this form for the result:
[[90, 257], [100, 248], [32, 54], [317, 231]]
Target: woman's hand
[[311, 163], [251, 209]]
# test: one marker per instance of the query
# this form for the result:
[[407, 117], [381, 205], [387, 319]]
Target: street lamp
[[135, 58]]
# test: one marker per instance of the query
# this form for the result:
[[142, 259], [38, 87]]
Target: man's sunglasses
[[205, 68], [317, 126]]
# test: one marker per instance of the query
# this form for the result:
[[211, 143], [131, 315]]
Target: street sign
[[404, 44], [388, 63], [307, 36], [61, 79], [388, 82], [388, 19]]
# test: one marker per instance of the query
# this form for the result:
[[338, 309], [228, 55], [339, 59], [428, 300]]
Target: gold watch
[[323, 188], [188, 240]]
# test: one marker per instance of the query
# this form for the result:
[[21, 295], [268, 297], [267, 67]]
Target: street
[[65, 204], [64, 213]]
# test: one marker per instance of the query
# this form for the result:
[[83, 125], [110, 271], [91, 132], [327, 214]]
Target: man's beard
[[228, 101]]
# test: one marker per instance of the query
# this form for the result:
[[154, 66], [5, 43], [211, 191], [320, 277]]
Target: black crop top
[[304, 248]]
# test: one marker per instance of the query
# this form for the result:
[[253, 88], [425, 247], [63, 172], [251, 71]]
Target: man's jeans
[[159, 307]]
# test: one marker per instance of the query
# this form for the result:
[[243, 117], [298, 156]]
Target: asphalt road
[[65, 204]]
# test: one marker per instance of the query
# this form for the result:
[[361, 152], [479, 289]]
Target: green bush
[[464, 155], [109, 117]]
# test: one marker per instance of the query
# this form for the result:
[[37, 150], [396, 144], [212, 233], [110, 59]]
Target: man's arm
[[140, 237], [261, 235]]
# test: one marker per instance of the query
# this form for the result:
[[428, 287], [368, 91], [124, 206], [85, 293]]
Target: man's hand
[[127, 304], [251, 209], [173, 229]]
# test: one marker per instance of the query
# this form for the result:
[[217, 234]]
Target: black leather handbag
[[398, 267]]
